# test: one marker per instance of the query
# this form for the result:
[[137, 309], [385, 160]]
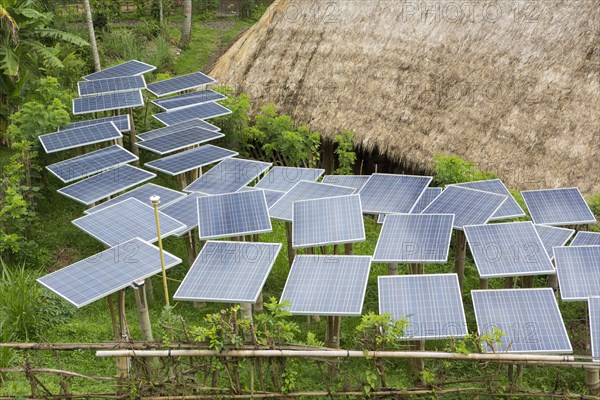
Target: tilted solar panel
[[129, 68], [107, 102], [558, 207], [578, 269], [167, 130], [428, 196], [271, 195], [284, 178], [120, 121], [79, 136], [553, 237], [586, 239], [180, 140], [202, 111], [188, 99], [191, 159], [391, 193], [111, 85], [179, 83], [353, 181], [228, 176], [510, 208], [184, 210], [143, 194]]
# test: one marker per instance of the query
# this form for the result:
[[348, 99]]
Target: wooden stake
[[312, 319], [459, 261], [483, 283], [139, 290], [417, 364], [527, 281], [349, 249], [393, 269], [290, 244], [132, 138], [122, 362], [332, 334]]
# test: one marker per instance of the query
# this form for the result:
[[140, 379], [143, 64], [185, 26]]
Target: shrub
[[122, 45], [453, 169], [345, 153], [160, 53], [594, 203]]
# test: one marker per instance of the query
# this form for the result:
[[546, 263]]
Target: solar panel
[[180, 140], [202, 111], [353, 181], [390, 193], [414, 238], [553, 237], [129, 68], [558, 207], [91, 163], [528, 318], [120, 121], [327, 285], [228, 176], [80, 136], [271, 195], [510, 208], [334, 220], [508, 249], [126, 220], [428, 196], [431, 304], [184, 210], [469, 206], [188, 99], [284, 178], [231, 272], [191, 159], [179, 83], [105, 184], [303, 190], [578, 270], [586, 239], [143, 194], [167, 130], [111, 85], [594, 311], [107, 272], [232, 215], [107, 102]]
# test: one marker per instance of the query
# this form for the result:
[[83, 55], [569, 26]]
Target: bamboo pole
[[290, 245], [139, 290], [459, 261], [332, 333], [155, 200], [392, 268]]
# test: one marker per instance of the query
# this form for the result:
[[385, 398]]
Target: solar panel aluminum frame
[[120, 136], [568, 223], [559, 274], [141, 103], [110, 91], [217, 160], [144, 144], [181, 90], [149, 69]]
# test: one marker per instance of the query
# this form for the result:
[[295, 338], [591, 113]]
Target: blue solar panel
[[111, 85], [389, 193], [105, 184], [120, 121], [126, 220], [303, 190], [553, 237], [431, 304], [586, 239], [272, 196], [231, 272], [327, 285], [333, 220], [508, 249], [106, 102], [578, 270], [202, 111], [428, 196], [80, 136], [143, 194], [191, 159], [353, 181], [167, 130], [179, 83], [229, 176], [284, 178], [414, 238], [129, 68], [558, 207], [188, 99], [232, 215], [510, 208], [594, 311], [528, 318], [91, 163], [107, 272], [180, 140], [469, 206], [184, 210]]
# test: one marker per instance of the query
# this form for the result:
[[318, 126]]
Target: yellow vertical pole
[[155, 200]]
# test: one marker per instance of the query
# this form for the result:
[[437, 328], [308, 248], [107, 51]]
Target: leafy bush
[[453, 169], [594, 203], [104, 11], [235, 124], [345, 153]]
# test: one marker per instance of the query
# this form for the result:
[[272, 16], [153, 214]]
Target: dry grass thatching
[[512, 85]]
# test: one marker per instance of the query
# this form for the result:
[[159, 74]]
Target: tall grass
[[122, 45], [160, 53]]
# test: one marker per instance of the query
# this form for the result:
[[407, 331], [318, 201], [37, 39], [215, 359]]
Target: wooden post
[[592, 373], [122, 362], [417, 364], [332, 334], [246, 311], [483, 283], [459, 261], [349, 249], [509, 282], [191, 247], [527, 281], [290, 244], [132, 138], [139, 290], [312, 319], [393, 269]]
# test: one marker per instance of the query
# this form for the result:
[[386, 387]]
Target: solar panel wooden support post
[[139, 291], [349, 249], [417, 364], [132, 138], [332, 333], [311, 319], [122, 362], [459, 261], [393, 268], [592, 374], [290, 245]]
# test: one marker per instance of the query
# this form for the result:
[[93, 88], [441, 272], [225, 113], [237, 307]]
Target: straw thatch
[[512, 85]]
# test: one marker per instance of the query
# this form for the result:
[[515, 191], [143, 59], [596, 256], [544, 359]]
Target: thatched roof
[[512, 85]]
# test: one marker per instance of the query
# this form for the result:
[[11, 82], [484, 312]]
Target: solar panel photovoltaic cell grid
[[594, 316], [107, 102], [228, 176], [178, 141], [353, 181], [126, 220], [529, 318], [191, 159], [428, 196], [578, 270], [120, 121], [272, 196], [143, 194], [184, 210], [432, 304], [469, 206], [553, 237], [327, 285], [414, 238], [188, 99], [167, 130], [284, 178], [232, 272], [510, 208], [558, 207], [508, 249], [105, 184], [111, 85], [390, 193], [91, 163], [179, 83], [232, 215], [202, 111], [129, 68], [80, 136], [334, 220], [586, 239], [303, 190], [107, 272]]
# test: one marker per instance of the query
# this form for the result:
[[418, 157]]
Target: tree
[[186, 28], [90, 24]]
